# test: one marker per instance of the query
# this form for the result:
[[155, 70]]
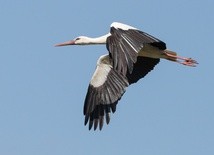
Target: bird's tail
[[170, 55]]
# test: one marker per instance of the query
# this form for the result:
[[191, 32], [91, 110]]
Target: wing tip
[[99, 121]]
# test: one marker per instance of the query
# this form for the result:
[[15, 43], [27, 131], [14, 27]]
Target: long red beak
[[70, 42]]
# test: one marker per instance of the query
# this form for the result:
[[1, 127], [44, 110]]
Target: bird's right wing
[[124, 45], [105, 89]]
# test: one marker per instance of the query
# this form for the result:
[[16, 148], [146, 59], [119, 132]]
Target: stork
[[132, 54]]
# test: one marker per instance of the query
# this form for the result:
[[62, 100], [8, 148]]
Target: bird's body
[[132, 54]]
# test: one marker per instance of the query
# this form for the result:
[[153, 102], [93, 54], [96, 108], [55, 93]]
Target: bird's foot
[[183, 60], [188, 62]]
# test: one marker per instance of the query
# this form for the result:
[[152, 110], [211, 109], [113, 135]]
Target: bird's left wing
[[105, 89]]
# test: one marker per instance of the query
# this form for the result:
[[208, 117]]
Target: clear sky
[[42, 88]]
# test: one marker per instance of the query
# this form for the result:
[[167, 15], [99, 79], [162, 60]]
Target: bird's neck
[[98, 40]]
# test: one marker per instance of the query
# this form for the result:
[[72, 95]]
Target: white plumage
[[132, 54]]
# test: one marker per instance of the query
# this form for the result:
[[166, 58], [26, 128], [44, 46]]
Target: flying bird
[[131, 55]]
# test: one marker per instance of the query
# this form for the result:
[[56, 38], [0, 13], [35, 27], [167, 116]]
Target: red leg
[[182, 60]]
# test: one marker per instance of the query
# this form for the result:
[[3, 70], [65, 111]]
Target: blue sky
[[42, 88]]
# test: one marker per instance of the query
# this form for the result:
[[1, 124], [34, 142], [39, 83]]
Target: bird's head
[[81, 40]]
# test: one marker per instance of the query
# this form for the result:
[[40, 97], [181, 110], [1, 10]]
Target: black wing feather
[[101, 101], [124, 45], [141, 68]]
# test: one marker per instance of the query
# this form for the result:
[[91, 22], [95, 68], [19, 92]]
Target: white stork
[[132, 54]]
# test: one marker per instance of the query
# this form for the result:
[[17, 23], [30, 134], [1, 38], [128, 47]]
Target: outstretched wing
[[124, 44], [105, 90]]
